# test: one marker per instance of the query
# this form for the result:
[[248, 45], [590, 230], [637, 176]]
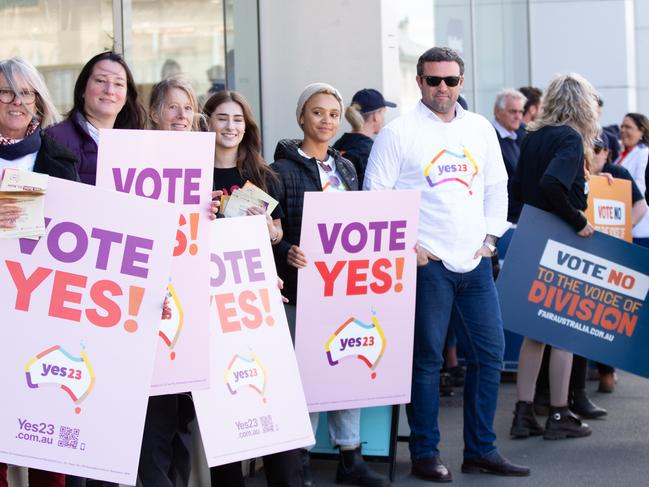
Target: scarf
[[11, 149]]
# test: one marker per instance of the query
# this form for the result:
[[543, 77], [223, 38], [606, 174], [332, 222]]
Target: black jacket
[[356, 149], [55, 160], [297, 175], [511, 152]]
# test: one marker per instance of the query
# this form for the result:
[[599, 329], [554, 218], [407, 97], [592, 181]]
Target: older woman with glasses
[[25, 110]]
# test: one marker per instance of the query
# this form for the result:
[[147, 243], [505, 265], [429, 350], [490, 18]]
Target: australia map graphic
[[448, 167], [170, 329], [355, 339], [55, 367], [246, 371]]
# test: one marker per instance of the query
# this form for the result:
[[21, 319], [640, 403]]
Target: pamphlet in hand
[[242, 199], [28, 190]]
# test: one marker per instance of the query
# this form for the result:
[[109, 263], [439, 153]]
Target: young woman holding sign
[[551, 175], [26, 108], [237, 159], [165, 456], [311, 165]]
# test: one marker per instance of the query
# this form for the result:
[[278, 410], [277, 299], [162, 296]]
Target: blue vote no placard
[[585, 295]]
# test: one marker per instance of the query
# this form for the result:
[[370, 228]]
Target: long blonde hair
[[570, 100]]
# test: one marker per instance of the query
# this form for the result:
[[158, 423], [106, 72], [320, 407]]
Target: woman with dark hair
[[25, 110], [105, 97], [237, 159], [551, 175], [238, 137], [634, 134]]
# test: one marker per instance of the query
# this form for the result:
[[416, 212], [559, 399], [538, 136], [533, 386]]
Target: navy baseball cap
[[601, 141], [370, 100]]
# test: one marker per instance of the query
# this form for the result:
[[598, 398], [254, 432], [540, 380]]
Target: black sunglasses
[[450, 81]]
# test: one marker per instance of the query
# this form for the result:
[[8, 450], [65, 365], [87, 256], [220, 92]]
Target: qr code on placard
[[68, 437], [266, 423]]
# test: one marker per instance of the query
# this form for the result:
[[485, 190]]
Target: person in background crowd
[[311, 165], [508, 115], [26, 109], [463, 212], [165, 456], [530, 110], [551, 176], [634, 134], [602, 165], [237, 159], [105, 97], [366, 115]]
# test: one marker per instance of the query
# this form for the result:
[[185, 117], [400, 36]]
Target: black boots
[[525, 424], [584, 407], [352, 470], [562, 424]]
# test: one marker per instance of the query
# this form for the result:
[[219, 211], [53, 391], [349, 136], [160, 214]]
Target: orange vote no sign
[[609, 206]]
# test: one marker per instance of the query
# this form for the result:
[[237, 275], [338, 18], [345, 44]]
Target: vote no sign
[[582, 295]]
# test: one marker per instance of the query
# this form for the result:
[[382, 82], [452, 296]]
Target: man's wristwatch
[[490, 246]]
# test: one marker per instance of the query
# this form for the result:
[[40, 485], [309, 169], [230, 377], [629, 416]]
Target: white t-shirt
[[331, 180], [636, 163], [459, 169]]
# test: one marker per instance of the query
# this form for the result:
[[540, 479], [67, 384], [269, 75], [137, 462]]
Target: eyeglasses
[[26, 96], [597, 150], [450, 81]]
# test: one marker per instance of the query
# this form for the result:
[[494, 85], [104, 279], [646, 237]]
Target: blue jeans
[[344, 425], [479, 331]]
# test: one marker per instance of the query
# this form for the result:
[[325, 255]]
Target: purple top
[[73, 134]]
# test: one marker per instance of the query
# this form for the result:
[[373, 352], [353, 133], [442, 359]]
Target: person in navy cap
[[366, 115]]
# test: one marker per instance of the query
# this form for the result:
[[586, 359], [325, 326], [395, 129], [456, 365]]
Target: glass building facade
[[215, 43]]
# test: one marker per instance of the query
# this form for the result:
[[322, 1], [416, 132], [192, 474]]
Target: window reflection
[[178, 36], [57, 37]]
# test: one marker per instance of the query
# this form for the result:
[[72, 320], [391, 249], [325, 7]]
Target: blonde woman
[[165, 455], [551, 175]]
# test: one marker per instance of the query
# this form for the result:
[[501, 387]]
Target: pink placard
[[255, 405], [356, 298], [79, 311], [175, 167]]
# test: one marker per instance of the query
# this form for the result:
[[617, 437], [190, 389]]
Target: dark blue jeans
[[479, 331]]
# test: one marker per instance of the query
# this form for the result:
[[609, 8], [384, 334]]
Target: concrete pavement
[[617, 453]]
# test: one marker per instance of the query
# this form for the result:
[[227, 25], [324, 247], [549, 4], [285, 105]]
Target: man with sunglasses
[[453, 157]]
